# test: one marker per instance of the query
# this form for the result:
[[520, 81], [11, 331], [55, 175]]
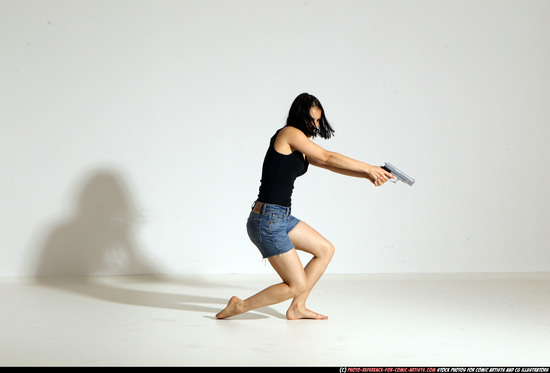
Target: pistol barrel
[[398, 174]]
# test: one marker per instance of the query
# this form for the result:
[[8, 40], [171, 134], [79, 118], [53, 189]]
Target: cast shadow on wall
[[97, 238]]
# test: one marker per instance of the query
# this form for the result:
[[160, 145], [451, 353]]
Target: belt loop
[[258, 207]]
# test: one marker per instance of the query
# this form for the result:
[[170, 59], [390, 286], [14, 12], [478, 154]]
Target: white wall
[[143, 124]]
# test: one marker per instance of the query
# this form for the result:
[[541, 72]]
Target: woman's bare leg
[[289, 268], [307, 239], [297, 281]]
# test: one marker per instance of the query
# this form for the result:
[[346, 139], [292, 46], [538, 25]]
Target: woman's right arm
[[331, 160]]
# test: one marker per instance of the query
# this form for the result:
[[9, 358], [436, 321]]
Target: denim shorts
[[269, 228]]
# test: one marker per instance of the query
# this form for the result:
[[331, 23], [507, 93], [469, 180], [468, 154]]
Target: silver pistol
[[399, 175]]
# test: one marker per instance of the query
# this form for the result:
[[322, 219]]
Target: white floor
[[374, 320]]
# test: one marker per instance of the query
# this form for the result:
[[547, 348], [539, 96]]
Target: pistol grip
[[394, 180]]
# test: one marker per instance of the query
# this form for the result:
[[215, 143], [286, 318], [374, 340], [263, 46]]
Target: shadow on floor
[[97, 239], [116, 289]]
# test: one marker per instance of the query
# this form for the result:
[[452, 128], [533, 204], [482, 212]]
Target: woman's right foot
[[296, 313], [233, 308]]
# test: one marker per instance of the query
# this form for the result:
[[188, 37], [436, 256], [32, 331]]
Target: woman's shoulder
[[289, 134], [290, 131], [283, 139]]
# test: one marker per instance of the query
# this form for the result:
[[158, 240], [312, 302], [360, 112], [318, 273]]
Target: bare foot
[[295, 313], [232, 309]]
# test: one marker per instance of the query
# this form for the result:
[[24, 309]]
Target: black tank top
[[279, 172]]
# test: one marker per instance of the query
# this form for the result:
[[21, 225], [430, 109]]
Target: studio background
[[132, 133]]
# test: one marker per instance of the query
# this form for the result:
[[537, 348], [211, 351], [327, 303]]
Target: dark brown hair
[[300, 117]]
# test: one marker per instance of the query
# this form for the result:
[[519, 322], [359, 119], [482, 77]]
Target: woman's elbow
[[330, 158], [323, 158]]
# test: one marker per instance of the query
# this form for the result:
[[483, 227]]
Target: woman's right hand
[[377, 175]]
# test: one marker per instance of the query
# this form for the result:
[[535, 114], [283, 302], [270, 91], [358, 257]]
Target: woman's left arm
[[338, 170]]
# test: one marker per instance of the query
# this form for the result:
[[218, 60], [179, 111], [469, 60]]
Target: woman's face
[[316, 113]]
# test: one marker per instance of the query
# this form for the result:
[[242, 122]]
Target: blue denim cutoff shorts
[[269, 228]]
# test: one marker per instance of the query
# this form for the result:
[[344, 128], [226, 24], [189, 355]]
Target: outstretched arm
[[334, 161], [341, 171]]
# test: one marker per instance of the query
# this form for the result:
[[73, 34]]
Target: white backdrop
[[133, 132]]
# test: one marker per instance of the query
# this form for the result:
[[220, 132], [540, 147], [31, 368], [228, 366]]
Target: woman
[[275, 232]]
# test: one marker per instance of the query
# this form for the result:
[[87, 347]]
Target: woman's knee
[[327, 251], [298, 286]]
